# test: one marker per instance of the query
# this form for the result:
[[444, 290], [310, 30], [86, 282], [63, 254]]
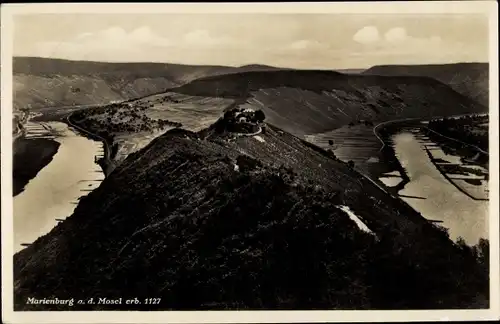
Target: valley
[[241, 179], [347, 105], [229, 206], [128, 127], [42, 82], [50, 192]]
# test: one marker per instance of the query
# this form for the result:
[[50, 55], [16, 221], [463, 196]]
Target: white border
[[489, 8]]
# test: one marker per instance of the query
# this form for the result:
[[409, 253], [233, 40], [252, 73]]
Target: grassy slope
[[469, 79], [177, 221], [305, 102]]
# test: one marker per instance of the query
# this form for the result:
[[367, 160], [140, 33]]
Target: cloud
[[146, 36], [202, 45], [142, 43], [397, 34], [397, 42], [108, 43], [398, 46], [203, 37], [371, 35], [84, 35], [367, 35], [305, 44]]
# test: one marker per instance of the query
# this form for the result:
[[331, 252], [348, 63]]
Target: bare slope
[[306, 102], [43, 82], [209, 221], [469, 79]]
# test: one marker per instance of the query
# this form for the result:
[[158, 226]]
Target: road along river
[[54, 192]]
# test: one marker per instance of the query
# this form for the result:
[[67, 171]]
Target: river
[[460, 202], [54, 193], [454, 202]]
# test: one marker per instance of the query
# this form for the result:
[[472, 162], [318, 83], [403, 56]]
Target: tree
[[228, 114], [260, 116]]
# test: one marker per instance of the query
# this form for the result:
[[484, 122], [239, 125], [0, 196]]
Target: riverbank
[[53, 194], [385, 130], [435, 192], [283, 209], [471, 154], [30, 156], [438, 177], [368, 147], [106, 163]]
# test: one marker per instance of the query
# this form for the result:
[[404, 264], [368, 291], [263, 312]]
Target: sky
[[305, 41]]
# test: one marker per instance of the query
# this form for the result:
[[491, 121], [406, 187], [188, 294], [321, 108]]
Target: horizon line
[[245, 65]]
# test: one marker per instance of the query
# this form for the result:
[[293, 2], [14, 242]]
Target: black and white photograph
[[327, 158]]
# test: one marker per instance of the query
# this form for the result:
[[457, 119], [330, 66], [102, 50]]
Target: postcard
[[250, 162]]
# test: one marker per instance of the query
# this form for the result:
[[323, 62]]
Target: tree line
[[466, 129]]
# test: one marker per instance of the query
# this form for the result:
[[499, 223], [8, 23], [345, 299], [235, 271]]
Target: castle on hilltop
[[243, 121]]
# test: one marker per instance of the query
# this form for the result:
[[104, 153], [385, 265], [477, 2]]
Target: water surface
[[463, 216], [54, 192]]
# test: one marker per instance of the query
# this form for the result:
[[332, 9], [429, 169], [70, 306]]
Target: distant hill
[[469, 79], [309, 101], [350, 71], [257, 67], [44, 82], [209, 221]]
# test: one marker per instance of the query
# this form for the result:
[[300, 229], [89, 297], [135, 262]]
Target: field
[[129, 126], [193, 112], [356, 143]]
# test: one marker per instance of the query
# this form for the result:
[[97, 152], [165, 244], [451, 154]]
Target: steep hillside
[[306, 102], [469, 79], [215, 220], [43, 82]]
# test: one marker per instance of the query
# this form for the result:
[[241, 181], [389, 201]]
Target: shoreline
[[105, 163], [52, 195], [388, 154], [385, 130], [447, 177], [38, 152]]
